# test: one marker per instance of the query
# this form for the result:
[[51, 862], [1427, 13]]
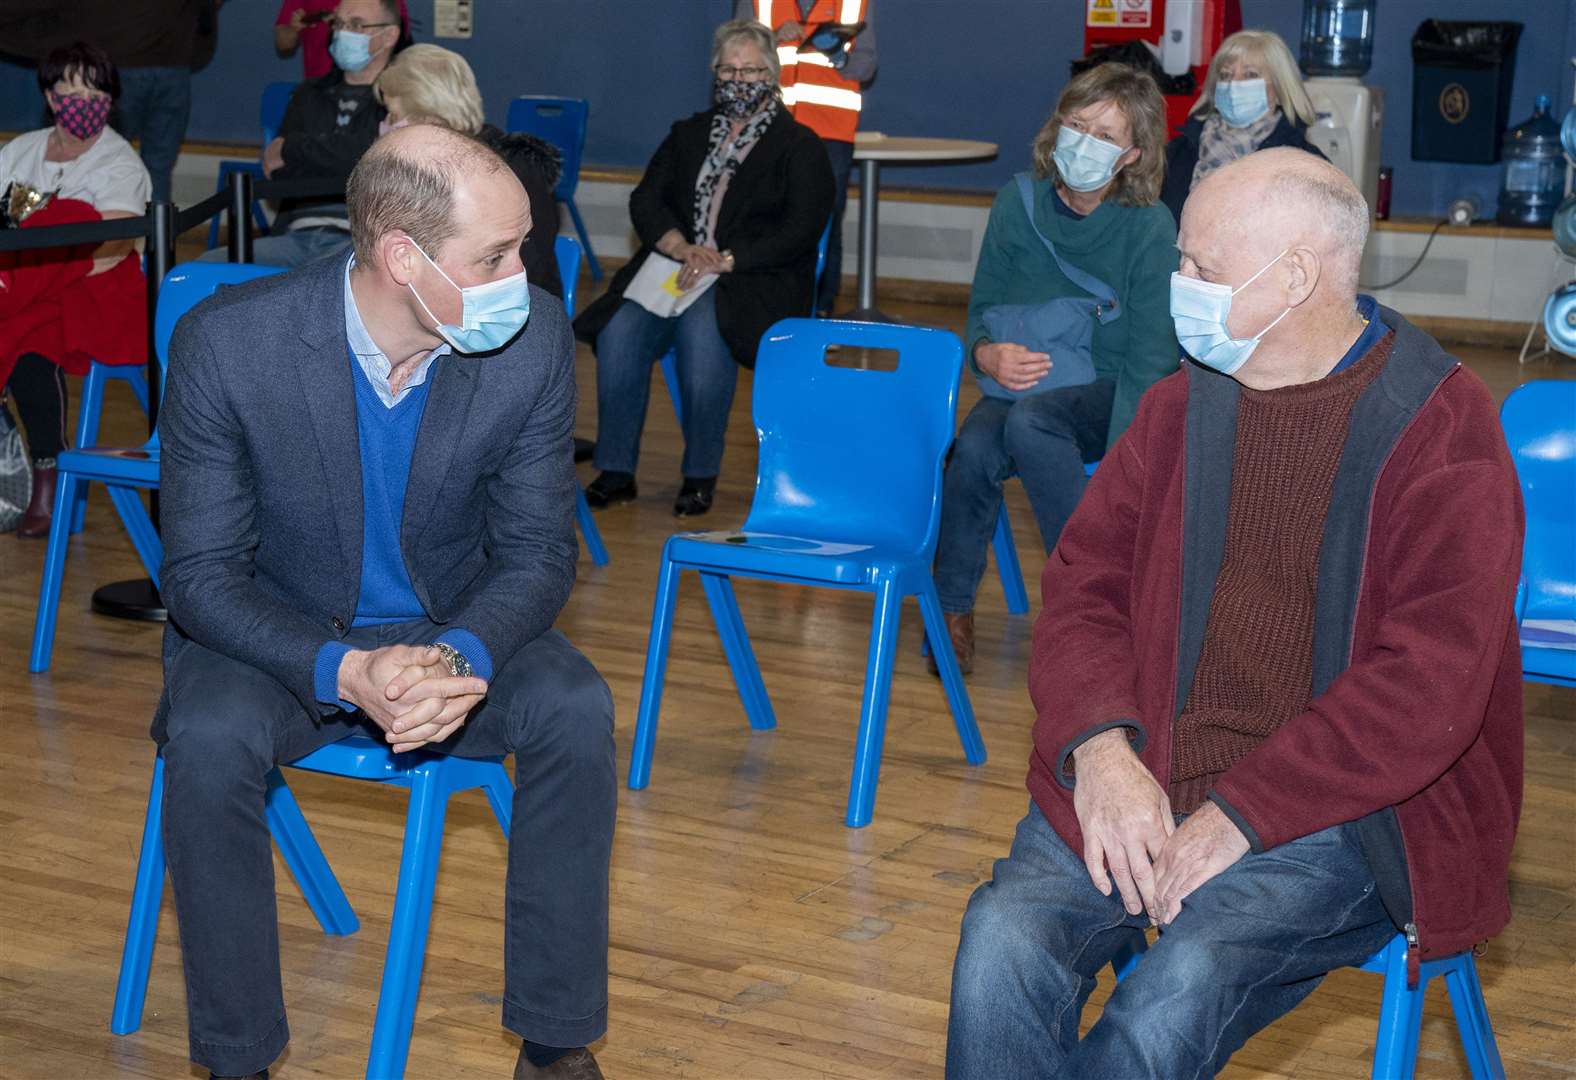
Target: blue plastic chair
[[124, 471], [1401, 1012], [1539, 419], [1401, 1008], [1006, 551], [568, 255], [815, 521], [670, 360], [91, 410], [271, 113], [431, 780], [561, 121]]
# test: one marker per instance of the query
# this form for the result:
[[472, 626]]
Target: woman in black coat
[[1253, 99], [742, 192]]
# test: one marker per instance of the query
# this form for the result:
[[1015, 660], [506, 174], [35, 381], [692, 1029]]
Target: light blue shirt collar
[[374, 365]]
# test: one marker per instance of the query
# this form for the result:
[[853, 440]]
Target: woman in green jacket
[[1098, 166]]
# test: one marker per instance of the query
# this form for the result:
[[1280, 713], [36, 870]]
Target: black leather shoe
[[695, 496], [609, 488], [578, 1064], [584, 448]]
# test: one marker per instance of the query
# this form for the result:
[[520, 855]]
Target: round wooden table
[[870, 150]]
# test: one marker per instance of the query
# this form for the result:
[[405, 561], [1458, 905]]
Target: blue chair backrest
[[820, 261], [559, 120], [567, 250], [1539, 419], [184, 288], [847, 453], [271, 113]]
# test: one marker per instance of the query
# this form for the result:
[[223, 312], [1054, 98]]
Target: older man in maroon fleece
[[1276, 675]]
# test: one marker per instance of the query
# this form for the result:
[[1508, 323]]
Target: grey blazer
[[260, 481]]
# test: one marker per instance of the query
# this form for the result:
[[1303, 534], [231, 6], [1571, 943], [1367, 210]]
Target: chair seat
[[362, 757], [1549, 634], [823, 561], [123, 464], [1548, 649]]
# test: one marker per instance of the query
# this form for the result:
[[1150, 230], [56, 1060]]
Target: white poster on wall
[[451, 18]]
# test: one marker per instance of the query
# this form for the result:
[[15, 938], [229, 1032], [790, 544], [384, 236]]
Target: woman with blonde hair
[[1253, 98], [428, 84], [1069, 321]]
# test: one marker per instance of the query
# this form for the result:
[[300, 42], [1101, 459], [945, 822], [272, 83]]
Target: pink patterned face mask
[[83, 117]]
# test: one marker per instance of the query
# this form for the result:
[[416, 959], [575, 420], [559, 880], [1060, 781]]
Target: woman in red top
[[63, 308]]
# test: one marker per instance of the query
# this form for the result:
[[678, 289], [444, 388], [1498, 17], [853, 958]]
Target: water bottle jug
[[1534, 177], [1337, 37]]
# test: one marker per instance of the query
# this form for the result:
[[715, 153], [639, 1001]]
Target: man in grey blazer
[[367, 519]]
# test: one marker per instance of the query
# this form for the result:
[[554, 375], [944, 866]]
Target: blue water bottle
[[1337, 38], [1534, 169]]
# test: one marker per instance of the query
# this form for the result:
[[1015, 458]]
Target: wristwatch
[[458, 665]]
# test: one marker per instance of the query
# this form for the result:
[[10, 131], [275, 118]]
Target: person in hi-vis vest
[[823, 92]]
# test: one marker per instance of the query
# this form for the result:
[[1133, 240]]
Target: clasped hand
[[1127, 825], [698, 262], [1015, 366], [408, 692]]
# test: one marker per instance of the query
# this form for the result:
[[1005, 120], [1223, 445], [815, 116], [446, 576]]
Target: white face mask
[[1242, 101], [1199, 310], [491, 313], [1084, 162]]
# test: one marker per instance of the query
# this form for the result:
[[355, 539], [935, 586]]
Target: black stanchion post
[[161, 260], [137, 598], [239, 216]]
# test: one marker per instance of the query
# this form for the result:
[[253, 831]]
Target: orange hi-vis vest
[[815, 92]]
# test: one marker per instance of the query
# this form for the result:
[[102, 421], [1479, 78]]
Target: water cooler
[[1351, 116], [1337, 49], [1559, 311]]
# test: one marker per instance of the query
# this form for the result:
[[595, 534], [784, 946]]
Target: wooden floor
[[753, 936]]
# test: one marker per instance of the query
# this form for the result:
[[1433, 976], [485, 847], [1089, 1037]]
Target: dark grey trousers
[[229, 724]]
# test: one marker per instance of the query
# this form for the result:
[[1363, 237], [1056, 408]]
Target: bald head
[[1279, 199], [1284, 230], [410, 181]]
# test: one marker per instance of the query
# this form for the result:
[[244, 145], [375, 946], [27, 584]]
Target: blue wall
[[990, 73]]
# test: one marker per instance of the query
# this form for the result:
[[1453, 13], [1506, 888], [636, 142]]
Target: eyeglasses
[[355, 26], [728, 71]]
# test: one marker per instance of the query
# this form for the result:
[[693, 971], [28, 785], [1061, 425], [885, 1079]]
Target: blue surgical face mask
[[490, 314], [1242, 101], [1199, 310], [351, 51], [1084, 162]]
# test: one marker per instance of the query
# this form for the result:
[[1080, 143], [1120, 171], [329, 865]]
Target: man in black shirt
[[329, 124]]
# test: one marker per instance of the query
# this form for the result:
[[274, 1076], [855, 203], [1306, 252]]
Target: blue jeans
[[290, 249], [1249, 945], [154, 105], [841, 155], [1045, 440], [626, 348], [229, 724]]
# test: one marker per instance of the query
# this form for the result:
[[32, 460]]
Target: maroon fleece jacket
[[1425, 718]]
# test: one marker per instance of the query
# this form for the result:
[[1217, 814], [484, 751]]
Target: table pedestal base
[[864, 314], [136, 599]]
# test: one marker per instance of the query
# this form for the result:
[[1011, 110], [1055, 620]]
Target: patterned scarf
[[722, 158], [1221, 144]]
